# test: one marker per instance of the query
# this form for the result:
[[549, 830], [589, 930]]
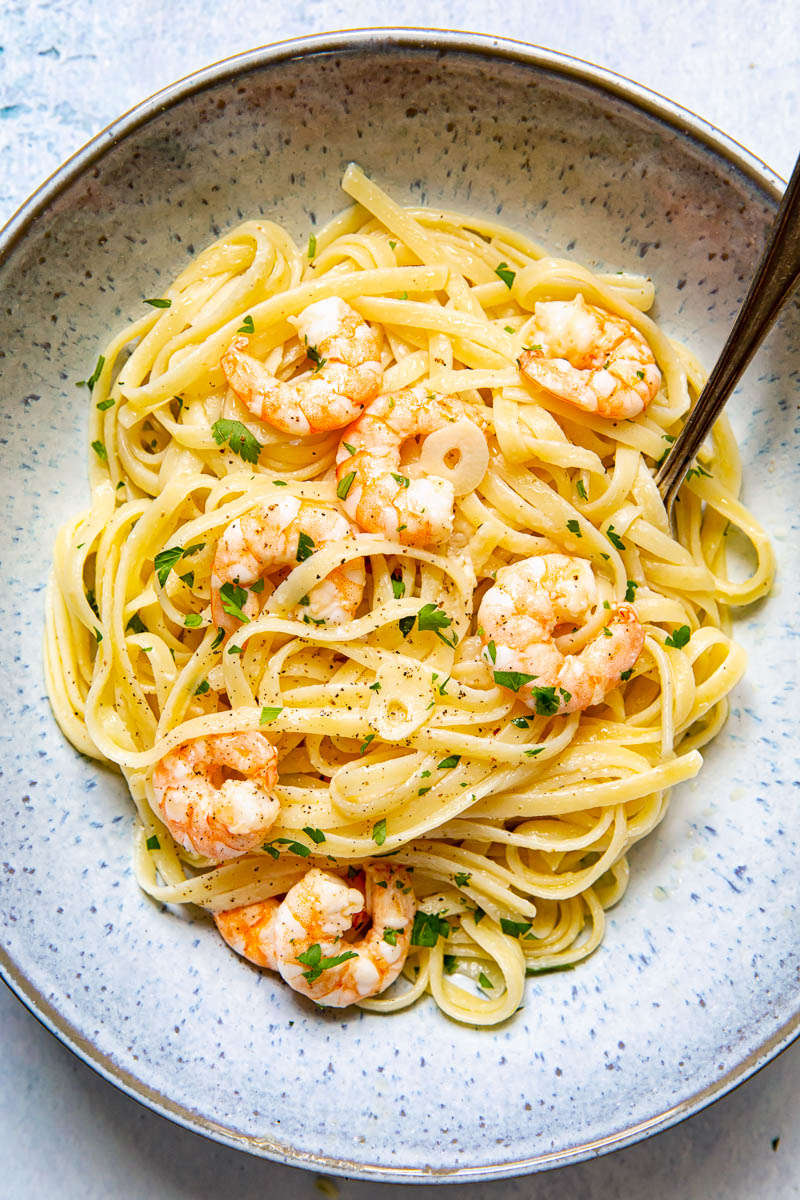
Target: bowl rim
[[382, 39]]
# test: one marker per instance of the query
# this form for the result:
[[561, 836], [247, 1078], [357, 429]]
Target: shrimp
[[281, 534], [348, 374], [591, 358], [518, 620], [249, 931], [219, 818], [375, 491], [311, 947]]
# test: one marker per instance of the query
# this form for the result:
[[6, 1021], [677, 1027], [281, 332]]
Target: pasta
[[513, 813]]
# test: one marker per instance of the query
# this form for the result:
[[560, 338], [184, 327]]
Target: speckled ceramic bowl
[[696, 984]]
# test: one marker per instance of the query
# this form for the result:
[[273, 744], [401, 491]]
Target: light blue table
[[67, 67]]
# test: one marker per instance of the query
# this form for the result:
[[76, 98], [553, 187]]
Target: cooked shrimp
[[281, 534], [219, 818], [591, 358], [249, 931], [518, 619], [313, 954], [377, 494], [347, 375]]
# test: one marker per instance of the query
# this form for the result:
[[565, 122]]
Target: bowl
[[695, 986]]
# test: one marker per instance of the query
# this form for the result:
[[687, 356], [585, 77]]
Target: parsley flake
[[614, 538], [218, 639], [452, 760], [484, 981], [316, 835], [505, 273], [344, 485], [95, 375], [403, 480], [580, 488], [102, 405], [625, 675], [398, 588], [153, 843], [193, 620], [679, 637], [630, 590], [514, 928], [100, 450], [314, 354], [239, 438], [202, 688], [350, 449], [269, 712], [575, 528], [363, 747], [159, 303], [312, 245], [512, 679], [305, 546], [314, 959], [379, 832], [247, 325], [233, 597], [428, 928], [462, 878]]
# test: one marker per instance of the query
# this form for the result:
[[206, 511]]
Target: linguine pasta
[[516, 824]]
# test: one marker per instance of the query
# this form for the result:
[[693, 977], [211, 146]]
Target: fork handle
[[776, 277]]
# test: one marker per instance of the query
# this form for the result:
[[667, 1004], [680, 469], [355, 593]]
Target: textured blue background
[[66, 69]]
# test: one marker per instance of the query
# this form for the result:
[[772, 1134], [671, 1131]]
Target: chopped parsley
[[430, 617], [505, 273], [534, 751], [100, 450], [625, 675], [312, 245], [218, 639], [614, 538], [95, 375], [580, 488], [294, 847], [450, 963], [344, 485], [350, 449], [379, 832], [314, 959], [375, 687], [188, 579], [153, 843], [403, 480], [514, 928], [165, 560], [233, 597], [520, 722], [406, 624], [193, 620], [136, 625], [305, 546], [484, 981], [513, 679], [491, 650], [269, 712], [247, 325], [159, 303], [630, 590], [239, 438], [234, 649], [314, 354], [679, 637], [462, 878], [575, 528], [364, 745], [452, 760], [316, 835], [398, 588], [428, 928], [202, 688], [547, 703], [696, 471], [390, 936], [102, 405]]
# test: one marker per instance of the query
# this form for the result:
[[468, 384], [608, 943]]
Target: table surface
[[68, 67]]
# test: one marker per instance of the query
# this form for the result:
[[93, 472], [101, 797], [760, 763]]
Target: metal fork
[[776, 277]]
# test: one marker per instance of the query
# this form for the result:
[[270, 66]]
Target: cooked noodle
[[533, 821]]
